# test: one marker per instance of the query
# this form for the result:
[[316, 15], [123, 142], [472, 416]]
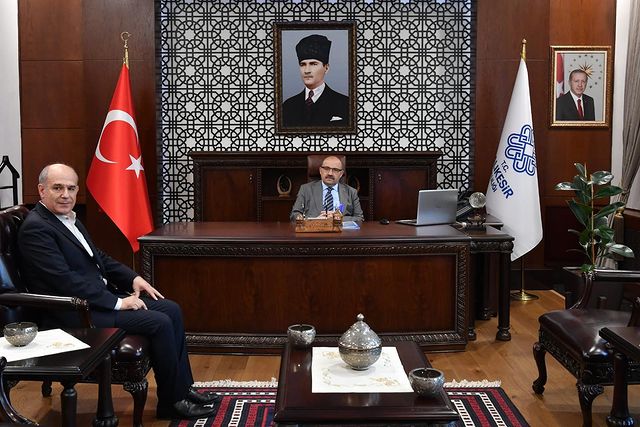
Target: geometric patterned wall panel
[[414, 83]]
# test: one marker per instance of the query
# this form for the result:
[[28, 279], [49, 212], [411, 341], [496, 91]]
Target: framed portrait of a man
[[315, 77], [580, 86]]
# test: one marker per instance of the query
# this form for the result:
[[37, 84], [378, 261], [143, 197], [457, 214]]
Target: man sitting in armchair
[[59, 258]]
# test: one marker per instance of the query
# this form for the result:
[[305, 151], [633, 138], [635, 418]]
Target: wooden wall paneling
[[45, 146], [52, 94], [50, 30]]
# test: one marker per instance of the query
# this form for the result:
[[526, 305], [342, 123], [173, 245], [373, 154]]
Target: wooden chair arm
[[635, 313], [49, 302], [616, 276]]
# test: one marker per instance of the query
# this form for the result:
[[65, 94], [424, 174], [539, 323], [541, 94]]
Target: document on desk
[[330, 374], [45, 343], [350, 225]]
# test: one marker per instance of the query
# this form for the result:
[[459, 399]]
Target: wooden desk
[[295, 404], [72, 367], [240, 284], [625, 342]]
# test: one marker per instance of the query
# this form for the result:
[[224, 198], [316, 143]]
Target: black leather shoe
[[184, 410], [203, 397]]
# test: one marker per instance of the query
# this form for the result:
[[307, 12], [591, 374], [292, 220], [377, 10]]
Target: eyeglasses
[[327, 169], [59, 188]]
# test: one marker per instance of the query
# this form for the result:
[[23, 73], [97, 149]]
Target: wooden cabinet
[[260, 186]]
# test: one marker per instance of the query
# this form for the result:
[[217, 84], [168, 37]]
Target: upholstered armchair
[[130, 359], [571, 337]]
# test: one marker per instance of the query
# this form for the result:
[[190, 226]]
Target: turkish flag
[[116, 177]]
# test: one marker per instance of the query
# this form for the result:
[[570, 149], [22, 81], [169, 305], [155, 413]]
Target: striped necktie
[[580, 111], [328, 200]]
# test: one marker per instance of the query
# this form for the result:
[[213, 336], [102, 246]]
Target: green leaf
[[581, 169], [621, 250], [584, 237], [601, 177], [608, 191], [572, 231], [581, 212], [606, 233], [608, 210], [565, 186]]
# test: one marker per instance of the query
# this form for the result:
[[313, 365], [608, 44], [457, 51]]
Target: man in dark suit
[[59, 258], [575, 105], [317, 104], [320, 199]]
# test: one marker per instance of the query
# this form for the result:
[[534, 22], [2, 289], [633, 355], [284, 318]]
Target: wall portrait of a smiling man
[[315, 77]]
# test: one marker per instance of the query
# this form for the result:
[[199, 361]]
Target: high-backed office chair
[[130, 359], [571, 337], [314, 161]]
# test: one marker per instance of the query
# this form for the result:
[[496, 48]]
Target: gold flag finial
[[523, 52], [124, 36]]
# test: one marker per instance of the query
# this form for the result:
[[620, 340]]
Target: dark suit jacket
[[54, 262], [310, 201], [566, 109], [330, 105]]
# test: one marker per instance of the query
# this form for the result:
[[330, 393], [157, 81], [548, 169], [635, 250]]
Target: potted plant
[[596, 239]]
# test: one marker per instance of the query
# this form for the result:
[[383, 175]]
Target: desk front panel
[[239, 296]]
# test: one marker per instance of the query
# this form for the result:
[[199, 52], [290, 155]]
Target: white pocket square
[[335, 118]]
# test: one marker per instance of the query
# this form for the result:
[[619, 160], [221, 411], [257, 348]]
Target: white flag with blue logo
[[512, 195]]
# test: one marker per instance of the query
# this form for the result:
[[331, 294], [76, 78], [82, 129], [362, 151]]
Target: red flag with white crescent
[[116, 177]]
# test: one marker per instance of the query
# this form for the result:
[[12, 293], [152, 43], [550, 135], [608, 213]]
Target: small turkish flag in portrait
[[116, 177]]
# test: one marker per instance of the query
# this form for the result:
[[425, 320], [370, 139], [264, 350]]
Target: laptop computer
[[435, 207]]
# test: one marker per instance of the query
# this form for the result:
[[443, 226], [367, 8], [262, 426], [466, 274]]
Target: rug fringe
[[274, 383], [232, 383], [472, 384]]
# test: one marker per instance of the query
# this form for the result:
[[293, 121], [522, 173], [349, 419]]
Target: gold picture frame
[[583, 72], [335, 111]]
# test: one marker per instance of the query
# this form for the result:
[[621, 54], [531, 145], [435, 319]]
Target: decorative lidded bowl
[[359, 346], [20, 334]]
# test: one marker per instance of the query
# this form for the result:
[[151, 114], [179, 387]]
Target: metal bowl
[[21, 333], [426, 381], [301, 335]]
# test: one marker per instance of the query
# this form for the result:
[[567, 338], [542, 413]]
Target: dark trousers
[[162, 324]]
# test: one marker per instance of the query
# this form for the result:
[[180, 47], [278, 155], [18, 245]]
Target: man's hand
[[132, 302], [140, 285]]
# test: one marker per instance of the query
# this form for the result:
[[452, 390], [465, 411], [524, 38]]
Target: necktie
[[580, 112], [309, 101], [328, 200]]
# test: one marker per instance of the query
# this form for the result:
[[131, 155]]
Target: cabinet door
[[395, 192], [229, 195]]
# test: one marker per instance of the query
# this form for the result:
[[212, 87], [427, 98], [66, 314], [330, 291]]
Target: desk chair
[[130, 359], [572, 337]]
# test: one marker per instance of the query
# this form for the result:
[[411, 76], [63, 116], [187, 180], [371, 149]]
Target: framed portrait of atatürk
[[580, 86], [315, 77]]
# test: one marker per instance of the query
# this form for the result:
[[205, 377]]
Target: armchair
[[571, 337], [130, 358]]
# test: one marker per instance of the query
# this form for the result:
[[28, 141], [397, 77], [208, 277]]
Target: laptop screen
[[435, 207]]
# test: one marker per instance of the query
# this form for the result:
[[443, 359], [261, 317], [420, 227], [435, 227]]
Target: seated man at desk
[[59, 258], [320, 199]]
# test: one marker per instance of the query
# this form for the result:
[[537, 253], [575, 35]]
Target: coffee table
[[71, 367], [295, 404]]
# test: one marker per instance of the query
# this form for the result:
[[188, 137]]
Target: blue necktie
[[328, 200]]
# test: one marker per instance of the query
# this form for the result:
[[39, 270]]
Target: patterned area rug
[[252, 404]]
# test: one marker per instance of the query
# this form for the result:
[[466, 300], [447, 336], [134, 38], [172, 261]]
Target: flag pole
[[521, 295], [124, 36]]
